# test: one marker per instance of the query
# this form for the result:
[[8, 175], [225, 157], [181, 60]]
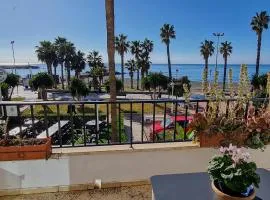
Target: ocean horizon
[[193, 71]]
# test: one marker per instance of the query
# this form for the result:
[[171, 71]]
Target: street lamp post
[[217, 35], [12, 47]]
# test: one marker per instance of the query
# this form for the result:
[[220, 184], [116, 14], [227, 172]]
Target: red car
[[169, 124]]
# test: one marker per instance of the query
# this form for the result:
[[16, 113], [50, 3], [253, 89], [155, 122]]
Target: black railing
[[88, 123]]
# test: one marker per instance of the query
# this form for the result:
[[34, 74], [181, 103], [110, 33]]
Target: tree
[[131, 66], [70, 51], [121, 46], [46, 53], [225, 50], [156, 81], [119, 85], [42, 81], [60, 43], [135, 49], [78, 88], [147, 47], [78, 63], [97, 68], [167, 33], [178, 89], [10, 83], [207, 49], [109, 6], [258, 23]]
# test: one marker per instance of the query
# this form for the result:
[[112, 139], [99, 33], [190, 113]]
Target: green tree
[[207, 49], [119, 85], [156, 81], [10, 83], [109, 7], [147, 47], [131, 66], [258, 23], [78, 88], [60, 43], [78, 63], [42, 81], [121, 46], [225, 50], [135, 49], [178, 89], [46, 52], [97, 68], [167, 33], [70, 52]]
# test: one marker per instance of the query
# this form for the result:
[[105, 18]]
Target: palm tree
[[94, 59], [207, 50], [69, 51], [258, 23], [60, 44], [135, 49], [225, 50], [131, 66], [167, 33], [146, 48], [121, 46], [109, 6], [78, 63], [46, 52]]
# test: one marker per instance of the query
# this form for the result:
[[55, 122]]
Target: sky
[[83, 22]]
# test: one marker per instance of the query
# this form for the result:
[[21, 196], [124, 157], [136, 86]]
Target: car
[[157, 127]]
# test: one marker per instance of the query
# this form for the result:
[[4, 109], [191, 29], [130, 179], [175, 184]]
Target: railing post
[[131, 131], [46, 120], [84, 128], [119, 123], [227, 107], [154, 119], [175, 117], [185, 122], [108, 128], [142, 122], [59, 125], [72, 125], [164, 124]]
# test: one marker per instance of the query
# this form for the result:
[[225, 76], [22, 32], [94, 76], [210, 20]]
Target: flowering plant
[[232, 172]]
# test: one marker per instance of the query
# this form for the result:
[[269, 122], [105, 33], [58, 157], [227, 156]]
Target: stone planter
[[222, 196], [27, 152]]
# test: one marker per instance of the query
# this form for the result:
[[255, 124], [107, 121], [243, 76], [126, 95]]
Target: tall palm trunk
[[206, 68], [138, 79], [224, 74], [109, 6], [258, 53], [68, 73], [49, 67], [131, 79], [122, 71], [55, 70], [142, 76], [169, 61], [62, 75]]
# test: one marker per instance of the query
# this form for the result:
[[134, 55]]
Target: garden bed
[[30, 149]]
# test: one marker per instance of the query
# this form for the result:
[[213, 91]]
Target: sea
[[193, 71]]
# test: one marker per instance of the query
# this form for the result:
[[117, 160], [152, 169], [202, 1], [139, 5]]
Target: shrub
[[11, 82], [78, 88], [179, 86], [119, 85]]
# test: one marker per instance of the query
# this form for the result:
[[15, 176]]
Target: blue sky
[[83, 22]]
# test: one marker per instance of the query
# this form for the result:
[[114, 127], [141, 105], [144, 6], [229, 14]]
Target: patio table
[[197, 186]]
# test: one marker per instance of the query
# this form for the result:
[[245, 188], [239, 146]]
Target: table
[[16, 130], [197, 186], [93, 123], [53, 129]]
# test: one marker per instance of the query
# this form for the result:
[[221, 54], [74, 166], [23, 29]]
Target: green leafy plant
[[78, 88], [119, 85], [232, 172]]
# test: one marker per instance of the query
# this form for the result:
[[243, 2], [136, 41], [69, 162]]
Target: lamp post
[[12, 47], [218, 35]]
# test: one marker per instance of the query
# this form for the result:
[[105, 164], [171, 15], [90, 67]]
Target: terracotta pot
[[28, 152], [222, 196], [210, 140]]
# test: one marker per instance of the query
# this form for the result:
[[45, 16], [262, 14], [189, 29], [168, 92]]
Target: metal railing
[[88, 123]]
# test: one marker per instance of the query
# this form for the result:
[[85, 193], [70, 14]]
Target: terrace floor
[[123, 193]]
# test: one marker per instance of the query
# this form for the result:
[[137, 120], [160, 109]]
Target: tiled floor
[[124, 193]]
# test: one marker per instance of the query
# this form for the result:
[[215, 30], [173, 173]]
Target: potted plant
[[233, 176]]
